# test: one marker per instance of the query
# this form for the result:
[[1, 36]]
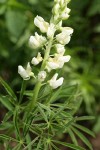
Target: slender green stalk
[[38, 85]]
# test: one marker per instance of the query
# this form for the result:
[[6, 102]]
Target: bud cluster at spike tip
[[57, 59]]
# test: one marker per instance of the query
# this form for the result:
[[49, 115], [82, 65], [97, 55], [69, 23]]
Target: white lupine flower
[[62, 59], [51, 64], [36, 41], [37, 60], [68, 30], [25, 73], [51, 30], [41, 24], [54, 83], [57, 62], [63, 38], [60, 48], [41, 75]]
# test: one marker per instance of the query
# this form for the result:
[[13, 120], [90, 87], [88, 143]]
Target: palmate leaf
[[72, 146], [8, 89], [82, 137]]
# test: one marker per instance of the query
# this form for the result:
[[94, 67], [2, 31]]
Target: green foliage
[[49, 117]]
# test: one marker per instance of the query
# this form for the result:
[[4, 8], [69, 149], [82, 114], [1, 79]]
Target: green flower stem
[[46, 56], [38, 85]]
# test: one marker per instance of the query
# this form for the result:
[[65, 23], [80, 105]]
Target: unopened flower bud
[[63, 38], [36, 60], [41, 76], [68, 30], [56, 8], [60, 48]]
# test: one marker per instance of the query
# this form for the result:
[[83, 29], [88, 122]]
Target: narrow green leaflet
[[42, 113], [69, 145], [84, 129], [31, 143], [82, 137], [45, 91], [39, 145], [15, 120], [85, 118], [28, 140], [7, 116], [6, 125], [66, 91], [72, 135], [45, 107], [23, 87], [63, 91], [5, 101], [55, 147], [17, 147], [8, 89]]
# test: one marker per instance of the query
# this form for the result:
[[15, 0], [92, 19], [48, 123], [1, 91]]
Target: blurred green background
[[16, 25]]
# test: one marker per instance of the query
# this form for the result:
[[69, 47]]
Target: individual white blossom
[[60, 48], [37, 60], [36, 41], [65, 36], [52, 65], [25, 73], [41, 24], [62, 59], [54, 83], [57, 62], [51, 30], [68, 30], [41, 75]]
